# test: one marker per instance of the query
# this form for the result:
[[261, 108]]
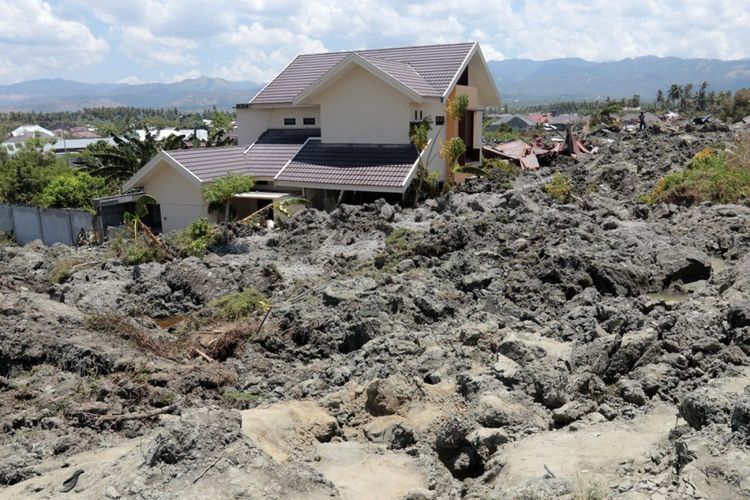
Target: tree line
[[108, 120]]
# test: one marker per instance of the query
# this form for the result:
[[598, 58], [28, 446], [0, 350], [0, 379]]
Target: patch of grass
[[134, 252], [500, 166], [722, 177], [241, 396], [237, 305], [62, 270], [589, 491], [559, 188], [399, 245], [196, 239]]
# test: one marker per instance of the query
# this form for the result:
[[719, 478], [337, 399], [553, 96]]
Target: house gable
[[360, 107]]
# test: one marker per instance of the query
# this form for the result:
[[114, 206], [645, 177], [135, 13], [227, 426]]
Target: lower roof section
[[364, 167]]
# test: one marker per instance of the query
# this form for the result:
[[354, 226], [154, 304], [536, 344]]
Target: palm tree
[[660, 97], [130, 153], [686, 99], [675, 93], [703, 96]]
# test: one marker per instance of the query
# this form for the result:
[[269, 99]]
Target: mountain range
[[520, 80], [527, 80], [66, 95]]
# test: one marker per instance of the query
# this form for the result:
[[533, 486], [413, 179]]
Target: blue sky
[[136, 41]]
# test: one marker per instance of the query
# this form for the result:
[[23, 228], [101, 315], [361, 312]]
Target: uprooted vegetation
[[489, 343], [559, 188]]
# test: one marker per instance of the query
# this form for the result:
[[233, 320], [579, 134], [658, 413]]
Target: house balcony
[[473, 94]]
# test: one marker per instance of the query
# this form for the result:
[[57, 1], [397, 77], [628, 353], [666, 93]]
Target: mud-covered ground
[[489, 344]]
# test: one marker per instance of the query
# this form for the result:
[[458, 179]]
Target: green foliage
[[237, 305], [710, 176], [399, 245], [197, 238], [25, 175], [222, 190], [241, 396], [134, 252], [496, 165], [452, 149], [559, 188], [133, 220], [129, 153], [607, 115], [221, 120], [72, 190], [457, 105], [7, 239], [420, 135]]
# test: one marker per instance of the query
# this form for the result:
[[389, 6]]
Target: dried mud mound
[[490, 343]]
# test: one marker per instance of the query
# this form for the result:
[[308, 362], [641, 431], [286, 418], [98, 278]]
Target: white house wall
[[360, 108], [251, 123], [181, 201], [432, 108]]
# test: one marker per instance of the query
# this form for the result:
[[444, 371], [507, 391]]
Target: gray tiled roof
[[370, 165], [273, 149], [208, 164], [433, 66]]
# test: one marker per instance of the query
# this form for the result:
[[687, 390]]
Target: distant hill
[[529, 80], [518, 79], [66, 95]]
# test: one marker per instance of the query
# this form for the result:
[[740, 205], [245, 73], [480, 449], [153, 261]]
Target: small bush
[[722, 177], [196, 239], [134, 252], [7, 238], [559, 188], [236, 305], [62, 270]]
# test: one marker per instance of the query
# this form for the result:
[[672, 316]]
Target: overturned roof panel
[[383, 166]]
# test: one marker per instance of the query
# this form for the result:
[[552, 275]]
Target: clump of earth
[[490, 343]]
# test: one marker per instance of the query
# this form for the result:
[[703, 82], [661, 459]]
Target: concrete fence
[[51, 225]]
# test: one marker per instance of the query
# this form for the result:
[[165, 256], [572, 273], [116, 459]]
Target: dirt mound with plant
[[547, 334]]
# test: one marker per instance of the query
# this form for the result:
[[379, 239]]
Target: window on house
[[415, 116], [290, 121], [439, 120], [308, 121]]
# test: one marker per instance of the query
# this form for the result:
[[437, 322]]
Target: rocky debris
[[705, 406], [386, 396], [489, 343]]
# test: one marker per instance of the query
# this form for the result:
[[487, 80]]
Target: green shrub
[[236, 305], [7, 238], [710, 176], [559, 188], [197, 238], [72, 190], [134, 252]]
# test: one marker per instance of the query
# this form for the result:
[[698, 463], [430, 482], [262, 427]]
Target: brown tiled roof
[[366, 165], [273, 149], [429, 70]]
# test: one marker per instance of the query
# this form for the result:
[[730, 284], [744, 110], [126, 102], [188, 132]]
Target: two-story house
[[334, 124]]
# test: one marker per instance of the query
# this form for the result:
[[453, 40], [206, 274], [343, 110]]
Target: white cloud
[[263, 52], [254, 39], [143, 46], [34, 39], [131, 80]]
